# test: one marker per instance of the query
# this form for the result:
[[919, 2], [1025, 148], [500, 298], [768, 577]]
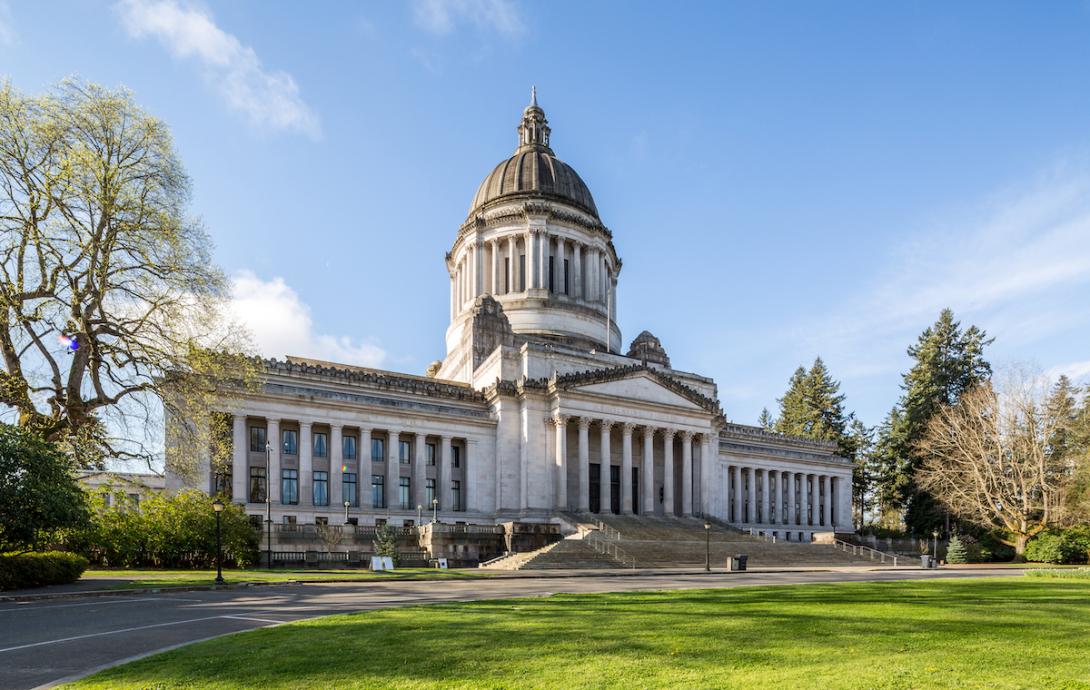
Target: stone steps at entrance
[[570, 553]]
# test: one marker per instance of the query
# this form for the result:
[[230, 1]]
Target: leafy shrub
[[165, 531], [19, 571], [1060, 546], [956, 552]]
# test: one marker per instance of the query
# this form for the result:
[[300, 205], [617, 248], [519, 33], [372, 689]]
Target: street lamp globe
[[217, 505]]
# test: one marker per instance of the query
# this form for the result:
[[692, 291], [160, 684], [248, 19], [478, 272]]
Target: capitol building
[[538, 410]]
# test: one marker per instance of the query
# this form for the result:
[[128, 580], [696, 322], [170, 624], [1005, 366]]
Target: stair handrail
[[607, 531], [859, 549], [609, 548]]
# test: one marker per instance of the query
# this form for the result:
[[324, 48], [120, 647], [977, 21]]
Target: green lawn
[[139, 579], [984, 633]]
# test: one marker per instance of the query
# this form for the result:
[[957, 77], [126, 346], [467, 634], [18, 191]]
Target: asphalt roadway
[[44, 643]]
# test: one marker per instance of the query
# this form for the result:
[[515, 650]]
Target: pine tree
[[956, 551], [948, 362], [861, 454], [813, 406], [765, 421], [385, 542]]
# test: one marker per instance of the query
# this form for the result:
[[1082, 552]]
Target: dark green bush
[[956, 552], [39, 569], [1060, 546]]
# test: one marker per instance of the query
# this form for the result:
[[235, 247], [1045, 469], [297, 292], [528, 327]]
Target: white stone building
[[536, 409]]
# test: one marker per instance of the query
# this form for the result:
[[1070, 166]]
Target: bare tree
[[989, 460], [110, 306]]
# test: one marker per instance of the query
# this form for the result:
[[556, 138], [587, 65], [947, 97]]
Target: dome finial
[[533, 96], [534, 128]]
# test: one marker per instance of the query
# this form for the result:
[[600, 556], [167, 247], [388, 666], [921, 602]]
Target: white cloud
[[7, 28], [269, 99], [281, 324], [1076, 371], [442, 16]]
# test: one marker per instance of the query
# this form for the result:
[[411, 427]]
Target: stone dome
[[534, 171], [647, 347]]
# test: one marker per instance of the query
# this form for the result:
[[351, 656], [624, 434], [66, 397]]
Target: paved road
[[44, 642]]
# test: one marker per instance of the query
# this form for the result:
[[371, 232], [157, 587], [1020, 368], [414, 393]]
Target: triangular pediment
[[638, 383]]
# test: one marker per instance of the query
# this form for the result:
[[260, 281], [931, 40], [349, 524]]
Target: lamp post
[[419, 510], [435, 510], [346, 504], [707, 547], [935, 549], [217, 507], [268, 504]]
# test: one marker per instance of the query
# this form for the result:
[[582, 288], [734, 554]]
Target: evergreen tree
[[813, 406], [861, 453], [385, 542], [949, 361], [956, 551], [765, 421]]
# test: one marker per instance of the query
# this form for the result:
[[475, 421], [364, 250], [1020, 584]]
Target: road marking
[[248, 618], [29, 606], [108, 632]]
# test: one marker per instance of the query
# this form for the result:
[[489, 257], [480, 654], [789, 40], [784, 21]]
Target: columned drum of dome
[[535, 244]]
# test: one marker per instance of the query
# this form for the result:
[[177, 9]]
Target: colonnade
[[377, 478], [520, 261], [644, 465], [767, 496]]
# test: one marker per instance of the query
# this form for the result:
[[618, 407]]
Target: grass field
[[985, 633], [139, 579]]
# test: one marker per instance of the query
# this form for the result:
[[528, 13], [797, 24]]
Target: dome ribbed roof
[[534, 171]]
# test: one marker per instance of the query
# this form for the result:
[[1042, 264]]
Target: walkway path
[[45, 642]]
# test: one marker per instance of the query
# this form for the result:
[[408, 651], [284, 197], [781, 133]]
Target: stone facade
[[533, 411]]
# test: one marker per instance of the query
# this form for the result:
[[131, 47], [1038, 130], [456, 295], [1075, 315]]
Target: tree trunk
[[1020, 547]]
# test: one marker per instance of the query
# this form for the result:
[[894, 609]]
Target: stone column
[[560, 424], [781, 496], [584, 465], [647, 472], [419, 474], [531, 260], [494, 274], [592, 275], [366, 470], [478, 268], [577, 271], [306, 464], [626, 468], [751, 502], [561, 285], [272, 437], [512, 263], [605, 498], [739, 503], [827, 505], [815, 501], [443, 486], [453, 298], [543, 261], [687, 473], [765, 490], [804, 493], [336, 467], [393, 471], [668, 471], [240, 471]]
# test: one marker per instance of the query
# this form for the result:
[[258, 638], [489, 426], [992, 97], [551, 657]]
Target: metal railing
[[606, 531], [857, 550], [603, 546]]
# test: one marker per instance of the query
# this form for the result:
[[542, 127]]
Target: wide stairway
[[668, 542]]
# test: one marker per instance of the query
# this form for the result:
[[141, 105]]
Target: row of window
[[289, 489], [289, 443]]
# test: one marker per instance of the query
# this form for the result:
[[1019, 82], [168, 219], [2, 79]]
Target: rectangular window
[[289, 519], [552, 265], [348, 447], [350, 492], [289, 487], [321, 488], [506, 275], [378, 490], [223, 483], [566, 285], [404, 452], [257, 439], [406, 494], [257, 485], [429, 492], [522, 273], [378, 450], [431, 454], [456, 456], [456, 495], [321, 520], [291, 441], [321, 445]]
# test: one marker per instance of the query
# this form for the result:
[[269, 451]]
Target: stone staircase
[[516, 561]]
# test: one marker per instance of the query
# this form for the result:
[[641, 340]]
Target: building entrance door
[[595, 487], [614, 489]]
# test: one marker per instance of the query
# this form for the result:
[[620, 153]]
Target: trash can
[[742, 559], [732, 564], [926, 562]]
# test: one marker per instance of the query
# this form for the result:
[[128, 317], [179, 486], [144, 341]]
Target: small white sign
[[441, 564], [382, 563]]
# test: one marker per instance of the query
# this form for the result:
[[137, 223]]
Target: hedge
[[1060, 546], [21, 571], [1061, 573]]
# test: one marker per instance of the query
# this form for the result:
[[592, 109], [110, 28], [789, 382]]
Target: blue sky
[[783, 180]]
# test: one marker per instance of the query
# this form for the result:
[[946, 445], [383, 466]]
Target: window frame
[[258, 473], [319, 438], [346, 441], [263, 432], [289, 441], [317, 481], [378, 491], [289, 474]]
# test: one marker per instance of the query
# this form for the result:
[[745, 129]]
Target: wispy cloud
[[281, 324], [7, 26], [270, 100], [1079, 372], [443, 16]]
